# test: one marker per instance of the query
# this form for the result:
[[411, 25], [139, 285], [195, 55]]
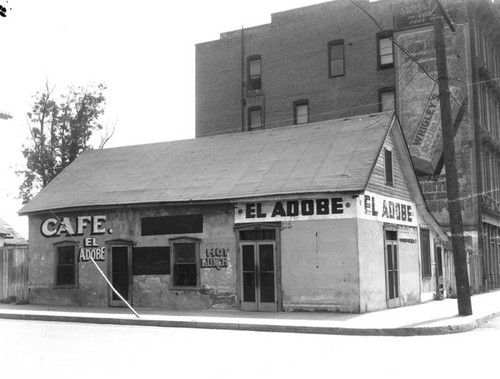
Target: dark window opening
[[254, 73], [185, 267], [336, 61], [151, 260], [425, 250], [153, 226], [258, 235], [388, 167], [301, 112], [439, 261], [386, 99], [391, 235], [255, 118], [66, 265]]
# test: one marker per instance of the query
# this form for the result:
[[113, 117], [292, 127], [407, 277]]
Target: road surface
[[37, 349]]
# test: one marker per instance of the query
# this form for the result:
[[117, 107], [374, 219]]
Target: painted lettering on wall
[[52, 227], [215, 258], [334, 207], [388, 209], [420, 112], [92, 250]]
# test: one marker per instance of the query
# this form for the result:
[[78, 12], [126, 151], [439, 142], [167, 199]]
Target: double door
[[392, 268], [258, 276]]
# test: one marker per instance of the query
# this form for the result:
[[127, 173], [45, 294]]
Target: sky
[[143, 51]]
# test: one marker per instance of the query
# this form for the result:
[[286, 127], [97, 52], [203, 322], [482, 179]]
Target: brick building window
[[336, 58], [386, 99], [255, 118], [254, 73], [385, 50], [301, 112], [66, 264], [185, 263]]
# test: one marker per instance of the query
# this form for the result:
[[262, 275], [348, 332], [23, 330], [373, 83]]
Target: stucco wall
[[319, 266], [371, 265], [217, 286], [409, 265]]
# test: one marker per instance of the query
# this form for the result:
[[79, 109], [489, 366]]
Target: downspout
[[243, 102]]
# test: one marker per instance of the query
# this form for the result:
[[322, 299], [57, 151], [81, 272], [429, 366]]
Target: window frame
[[296, 105], [388, 169], [75, 265], [336, 42], [252, 78], [249, 118], [184, 240], [381, 92], [386, 34]]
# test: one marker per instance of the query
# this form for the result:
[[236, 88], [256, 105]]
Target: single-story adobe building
[[326, 216]]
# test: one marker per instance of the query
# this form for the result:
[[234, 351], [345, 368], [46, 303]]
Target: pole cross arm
[[444, 14]]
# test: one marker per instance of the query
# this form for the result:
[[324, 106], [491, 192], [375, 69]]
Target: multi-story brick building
[[343, 58]]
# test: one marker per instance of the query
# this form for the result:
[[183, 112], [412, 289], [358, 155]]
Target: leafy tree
[[60, 130]]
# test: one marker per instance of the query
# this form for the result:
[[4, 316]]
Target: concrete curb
[[269, 327]]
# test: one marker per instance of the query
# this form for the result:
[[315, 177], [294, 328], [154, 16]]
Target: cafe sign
[[77, 227]]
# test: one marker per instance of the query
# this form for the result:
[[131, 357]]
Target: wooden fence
[[14, 274]]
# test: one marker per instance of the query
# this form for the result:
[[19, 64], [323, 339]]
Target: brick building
[[331, 60]]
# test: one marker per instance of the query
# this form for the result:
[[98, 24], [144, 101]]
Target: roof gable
[[377, 182], [329, 156]]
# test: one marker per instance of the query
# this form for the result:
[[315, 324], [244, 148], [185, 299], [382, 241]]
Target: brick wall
[[294, 55]]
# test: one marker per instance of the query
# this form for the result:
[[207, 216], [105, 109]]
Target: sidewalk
[[433, 317]]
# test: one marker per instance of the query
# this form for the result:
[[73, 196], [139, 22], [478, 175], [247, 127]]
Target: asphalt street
[[37, 349]]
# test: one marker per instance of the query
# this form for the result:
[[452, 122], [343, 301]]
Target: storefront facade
[[359, 247]]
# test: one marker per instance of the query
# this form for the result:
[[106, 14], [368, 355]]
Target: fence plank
[[14, 271]]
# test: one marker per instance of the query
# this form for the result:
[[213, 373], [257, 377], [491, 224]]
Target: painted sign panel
[[215, 258], [52, 227], [91, 250], [373, 206], [413, 13], [295, 210], [78, 226], [418, 95]]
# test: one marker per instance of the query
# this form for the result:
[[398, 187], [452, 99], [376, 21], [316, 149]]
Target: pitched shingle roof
[[329, 156]]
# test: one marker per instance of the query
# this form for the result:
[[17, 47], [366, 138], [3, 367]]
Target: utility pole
[[452, 186]]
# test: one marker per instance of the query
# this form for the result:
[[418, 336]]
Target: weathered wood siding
[[377, 184], [14, 274]]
